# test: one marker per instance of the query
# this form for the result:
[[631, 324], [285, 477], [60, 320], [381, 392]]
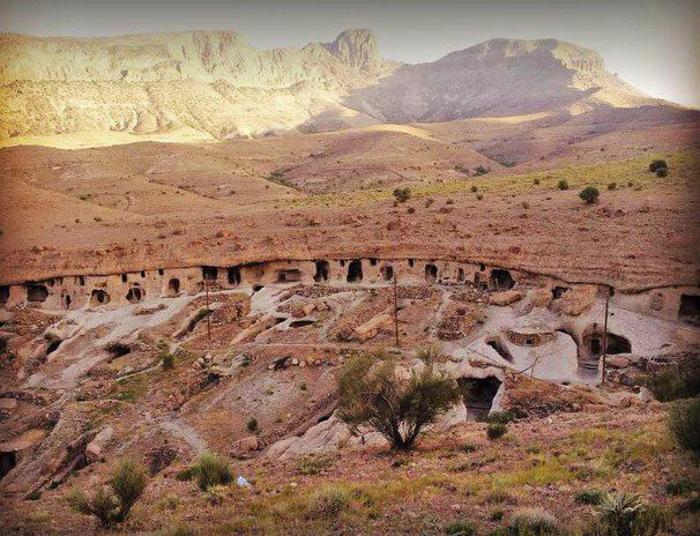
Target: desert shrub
[[589, 194], [167, 360], [684, 422], [402, 194], [663, 172], [252, 424], [460, 528], [176, 530], [682, 486], [311, 464], [481, 170], [474, 188], [330, 501], [625, 514], [590, 496], [468, 447], [675, 383], [656, 165], [479, 197], [372, 394], [211, 470], [612, 186], [533, 522], [496, 430], [503, 417], [111, 504], [563, 184], [461, 168], [497, 515], [536, 182]]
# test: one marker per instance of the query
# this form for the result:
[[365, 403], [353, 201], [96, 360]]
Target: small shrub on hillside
[[176, 530], [496, 430], [460, 528], [211, 470], [311, 465], [590, 496], [481, 170], [461, 168], [252, 424], [402, 194], [612, 186], [503, 417], [682, 486], [625, 514], [468, 447], [373, 394], [533, 522], [111, 504], [656, 165], [167, 360], [563, 184], [330, 501], [589, 194], [479, 197], [684, 422], [662, 172], [474, 189], [536, 182]]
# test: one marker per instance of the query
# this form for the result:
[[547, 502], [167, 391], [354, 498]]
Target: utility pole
[[396, 312], [206, 293], [605, 334]]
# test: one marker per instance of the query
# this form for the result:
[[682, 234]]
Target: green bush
[[496, 430], [481, 170], [167, 360], [252, 424], [563, 184], [211, 470], [330, 501], [590, 496], [675, 383], [311, 464], [503, 417], [460, 528], [372, 394], [656, 165], [684, 422], [589, 194], [663, 172], [627, 515], [533, 522], [402, 194], [682, 486], [111, 504]]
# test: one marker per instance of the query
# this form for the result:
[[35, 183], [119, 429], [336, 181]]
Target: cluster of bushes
[[498, 423], [659, 167], [210, 470], [402, 194], [615, 515]]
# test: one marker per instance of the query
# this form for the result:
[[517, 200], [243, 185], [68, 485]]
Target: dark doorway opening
[[355, 271], [460, 275], [4, 293], [53, 346], [558, 292], [37, 293], [301, 323], [322, 271], [617, 344], [8, 460], [478, 395], [99, 297], [173, 287], [135, 295], [431, 273], [210, 273], [234, 275], [689, 309], [497, 345], [387, 272], [124, 278], [501, 279]]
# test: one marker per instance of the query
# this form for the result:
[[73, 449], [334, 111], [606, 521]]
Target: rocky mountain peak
[[357, 48]]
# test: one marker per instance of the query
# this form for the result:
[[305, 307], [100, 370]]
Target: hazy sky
[[653, 44]]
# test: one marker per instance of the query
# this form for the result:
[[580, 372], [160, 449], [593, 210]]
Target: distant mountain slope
[[214, 83]]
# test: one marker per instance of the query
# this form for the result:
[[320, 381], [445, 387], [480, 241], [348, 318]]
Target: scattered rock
[[506, 297], [93, 450]]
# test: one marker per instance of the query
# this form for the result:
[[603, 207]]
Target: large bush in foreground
[[111, 504], [373, 394], [684, 421]]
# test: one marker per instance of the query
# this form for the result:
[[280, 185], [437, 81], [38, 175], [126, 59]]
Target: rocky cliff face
[[214, 83]]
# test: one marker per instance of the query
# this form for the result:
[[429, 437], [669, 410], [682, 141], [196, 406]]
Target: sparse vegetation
[[589, 194], [590, 496], [111, 504], [481, 170], [402, 194], [533, 522], [211, 470], [684, 422], [252, 424], [656, 165], [373, 394], [674, 383], [496, 430], [625, 514], [563, 184], [612, 186], [460, 528]]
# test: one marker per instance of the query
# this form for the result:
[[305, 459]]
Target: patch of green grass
[[130, 389]]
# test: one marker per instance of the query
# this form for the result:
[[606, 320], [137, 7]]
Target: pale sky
[[653, 44]]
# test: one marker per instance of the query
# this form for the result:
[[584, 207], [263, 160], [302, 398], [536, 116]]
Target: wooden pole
[[206, 293], [396, 313], [605, 335]]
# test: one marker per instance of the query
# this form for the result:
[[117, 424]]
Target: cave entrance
[[4, 293], [689, 309], [37, 293], [558, 292], [8, 460], [99, 297], [478, 395], [292, 275], [301, 323], [234, 275], [67, 300], [135, 295], [617, 344], [52, 346], [355, 271], [323, 270], [501, 279], [210, 273], [387, 272], [173, 287], [460, 275], [431, 273]]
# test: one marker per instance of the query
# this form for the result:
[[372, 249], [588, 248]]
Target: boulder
[[541, 297], [506, 297], [577, 300], [645, 395], [245, 446], [93, 450], [372, 327], [617, 362]]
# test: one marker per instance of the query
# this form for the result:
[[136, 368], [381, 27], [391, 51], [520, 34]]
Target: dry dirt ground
[[152, 206]]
